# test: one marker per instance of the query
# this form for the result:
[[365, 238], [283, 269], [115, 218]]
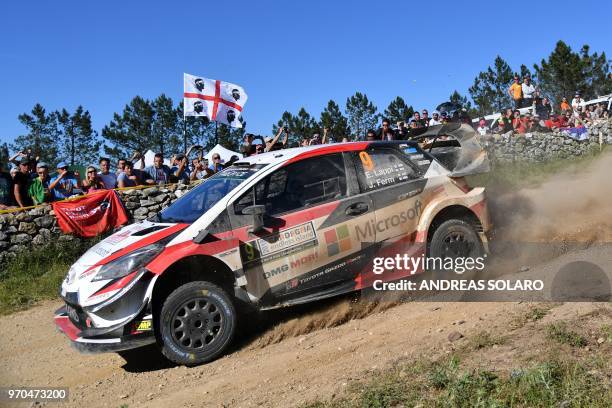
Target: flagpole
[[216, 134], [185, 134]]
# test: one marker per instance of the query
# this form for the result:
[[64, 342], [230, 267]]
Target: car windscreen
[[200, 199]]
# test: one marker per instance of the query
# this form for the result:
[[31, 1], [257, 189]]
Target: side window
[[417, 158], [382, 168], [299, 185]]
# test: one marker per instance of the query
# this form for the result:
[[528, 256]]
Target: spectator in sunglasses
[[22, 183], [93, 181], [385, 132], [216, 165], [425, 118]]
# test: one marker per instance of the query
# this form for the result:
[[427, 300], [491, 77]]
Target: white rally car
[[275, 229]]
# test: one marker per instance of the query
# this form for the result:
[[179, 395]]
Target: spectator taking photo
[[65, 184]]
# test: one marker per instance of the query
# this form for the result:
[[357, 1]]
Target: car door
[[396, 185], [311, 208]]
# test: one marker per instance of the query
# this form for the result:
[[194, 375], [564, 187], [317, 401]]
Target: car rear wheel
[[454, 239], [197, 323]]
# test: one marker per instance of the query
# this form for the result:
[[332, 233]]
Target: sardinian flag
[[217, 100]]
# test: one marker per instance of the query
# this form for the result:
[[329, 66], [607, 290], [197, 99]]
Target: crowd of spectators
[[572, 118], [30, 181]]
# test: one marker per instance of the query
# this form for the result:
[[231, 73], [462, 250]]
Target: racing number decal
[[248, 251], [366, 160]]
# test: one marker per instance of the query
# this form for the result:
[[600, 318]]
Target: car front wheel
[[197, 323]]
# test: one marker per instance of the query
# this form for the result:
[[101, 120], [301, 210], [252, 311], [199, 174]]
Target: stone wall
[[23, 230], [536, 146]]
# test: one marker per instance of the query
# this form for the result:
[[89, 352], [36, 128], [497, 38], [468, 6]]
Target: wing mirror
[[258, 212]]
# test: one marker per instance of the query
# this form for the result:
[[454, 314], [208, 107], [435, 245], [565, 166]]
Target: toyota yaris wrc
[[275, 229]]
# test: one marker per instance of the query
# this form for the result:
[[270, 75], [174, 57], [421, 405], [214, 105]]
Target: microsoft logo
[[337, 240]]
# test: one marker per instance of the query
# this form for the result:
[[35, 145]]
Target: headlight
[[126, 264]]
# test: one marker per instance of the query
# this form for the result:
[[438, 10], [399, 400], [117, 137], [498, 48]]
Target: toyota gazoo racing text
[[275, 229]]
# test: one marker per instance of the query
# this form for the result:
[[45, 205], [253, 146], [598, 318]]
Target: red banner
[[92, 214]]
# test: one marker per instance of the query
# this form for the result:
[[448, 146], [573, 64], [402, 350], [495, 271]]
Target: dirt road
[[287, 373]]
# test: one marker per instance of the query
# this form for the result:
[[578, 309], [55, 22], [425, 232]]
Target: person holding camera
[[66, 183], [179, 170], [201, 170], [216, 165], [272, 144], [248, 148]]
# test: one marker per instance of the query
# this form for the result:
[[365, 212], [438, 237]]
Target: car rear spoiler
[[457, 147]]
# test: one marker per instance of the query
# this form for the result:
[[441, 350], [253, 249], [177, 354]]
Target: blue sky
[[285, 54]]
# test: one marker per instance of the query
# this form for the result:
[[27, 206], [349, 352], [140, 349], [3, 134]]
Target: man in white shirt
[[528, 91], [577, 101], [482, 128], [435, 119]]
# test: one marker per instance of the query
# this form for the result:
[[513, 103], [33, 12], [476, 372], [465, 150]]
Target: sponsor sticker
[[337, 240], [144, 325], [287, 239]]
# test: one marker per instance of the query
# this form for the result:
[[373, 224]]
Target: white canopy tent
[[226, 154]]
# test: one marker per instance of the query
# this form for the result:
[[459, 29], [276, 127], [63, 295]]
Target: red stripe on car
[[151, 239], [188, 248], [328, 149], [119, 284], [66, 326]]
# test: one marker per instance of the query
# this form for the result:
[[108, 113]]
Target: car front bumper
[[135, 333]]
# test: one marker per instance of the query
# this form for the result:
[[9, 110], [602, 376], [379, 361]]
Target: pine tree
[[165, 133], [561, 74], [490, 89], [132, 130], [565, 72], [597, 71], [42, 136], [361, 115], [458, 99], [333, 119], [301, 126], [78, 142], [398, 111], [288, 121], [525, 72]]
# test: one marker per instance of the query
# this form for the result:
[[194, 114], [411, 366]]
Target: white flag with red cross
[[217, 100]]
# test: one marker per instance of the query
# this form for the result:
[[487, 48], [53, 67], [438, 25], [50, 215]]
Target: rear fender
[[474, 201]]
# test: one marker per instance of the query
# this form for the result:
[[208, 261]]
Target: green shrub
[[37, 274]]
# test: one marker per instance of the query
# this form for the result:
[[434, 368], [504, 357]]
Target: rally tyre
[[455, 238], [197, 323]]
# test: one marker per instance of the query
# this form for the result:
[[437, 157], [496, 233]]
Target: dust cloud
[[569, 211]]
